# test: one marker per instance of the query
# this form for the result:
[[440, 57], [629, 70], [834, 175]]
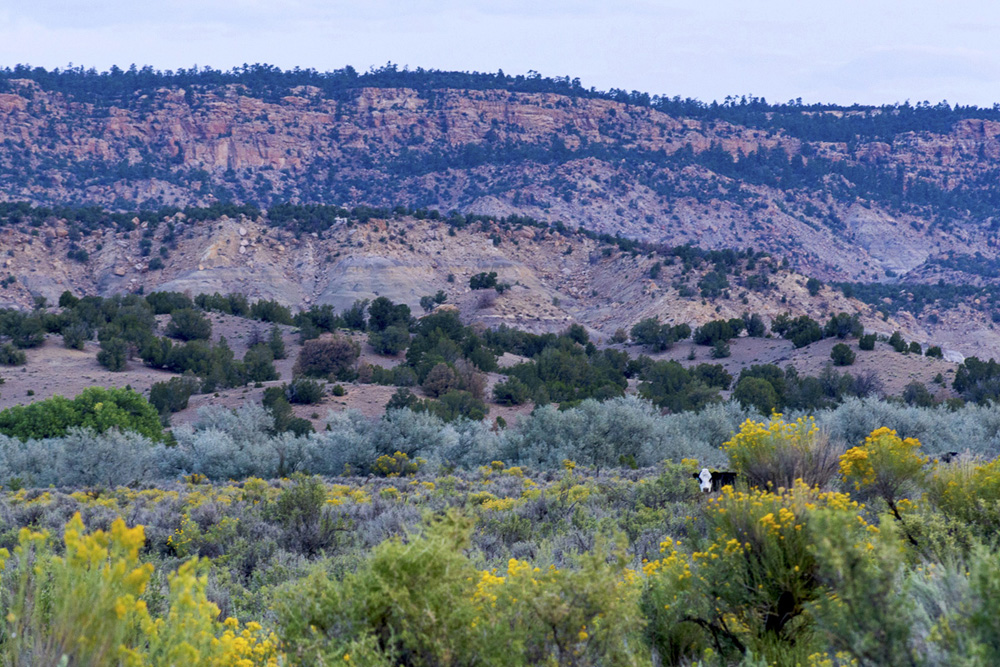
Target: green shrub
[[172, 395], [884, 467], [801, 330], [483, 280], [270, 311], [327, 357], [755, 326], [113, 354], [720, 350], [402, 398], [76, 334], [669, 385], [284, 418], [650, 333], [713, 375], [456, 404], [411, 599], [440, 380], [843, 325], [842, 355], [11, 356], [757, 393], [24, 331], [511, 392], [87, 604], [712, 332], [749, 588], [584, 613], [915, 393], [164, 303], [189, 324], [397, 464], [258, 364], [868, 614], [276, 343], [973, 630], [867, 342], [967, 493], [300, 510], [95, 408], [422, 602], [67, 300], [897, 342], [390, 341], [712, 284], [383, 313], [303, 391]]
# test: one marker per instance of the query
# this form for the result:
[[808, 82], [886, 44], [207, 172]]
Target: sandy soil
[[52, 369]]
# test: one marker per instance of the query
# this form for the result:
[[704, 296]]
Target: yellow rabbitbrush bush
[[968, 492], [423, 603], [83, 604], [962, 505], [191, 635], [581, 615], [749, 586], [86, 608], [779, 452], [397, 465], [885, 466]]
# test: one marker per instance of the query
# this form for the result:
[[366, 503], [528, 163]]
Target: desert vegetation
[[576, 537], [491, 478]]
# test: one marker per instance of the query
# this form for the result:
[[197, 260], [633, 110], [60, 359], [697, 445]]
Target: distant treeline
[[96, 217], [318, 218], [890, 298], [774, 168], [812, 122]]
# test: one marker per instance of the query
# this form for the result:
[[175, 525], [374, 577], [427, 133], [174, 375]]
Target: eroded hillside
[[904, 200], [556, 278]]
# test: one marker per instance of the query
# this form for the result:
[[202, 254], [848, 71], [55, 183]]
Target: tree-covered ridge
[[890, 298], [773, 168], [811, 122], [90, 218], [318, 218], [640, 166]]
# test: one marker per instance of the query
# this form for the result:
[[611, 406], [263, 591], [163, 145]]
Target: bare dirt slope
[[556, 279]]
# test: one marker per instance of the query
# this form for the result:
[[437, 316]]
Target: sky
[[843, 51]]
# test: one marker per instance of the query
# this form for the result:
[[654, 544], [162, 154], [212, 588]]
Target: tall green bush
[[96, 408]]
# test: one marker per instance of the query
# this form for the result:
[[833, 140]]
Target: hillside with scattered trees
[[855, 193]]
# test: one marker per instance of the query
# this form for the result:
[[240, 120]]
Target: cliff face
[[872, 208]]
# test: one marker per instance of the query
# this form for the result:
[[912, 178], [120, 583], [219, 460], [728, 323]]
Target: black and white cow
[[714, 481]]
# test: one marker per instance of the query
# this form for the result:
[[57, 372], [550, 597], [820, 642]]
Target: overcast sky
[[844, 51]]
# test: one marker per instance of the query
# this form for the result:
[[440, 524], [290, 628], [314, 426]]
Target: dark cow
[[947, 457], [714, 481]]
